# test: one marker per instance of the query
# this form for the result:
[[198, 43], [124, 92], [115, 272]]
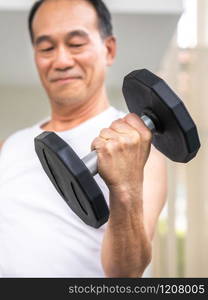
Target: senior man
[[39, 235]]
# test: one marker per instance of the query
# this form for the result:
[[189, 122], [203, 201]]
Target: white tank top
[[39, 234]]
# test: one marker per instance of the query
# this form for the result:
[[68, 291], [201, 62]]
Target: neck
[[65, 117]]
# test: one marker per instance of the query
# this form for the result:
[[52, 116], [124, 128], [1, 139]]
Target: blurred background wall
[[168, 37]]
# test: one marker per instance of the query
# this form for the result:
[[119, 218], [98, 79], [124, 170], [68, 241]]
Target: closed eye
[[76, 45], [47, 49]]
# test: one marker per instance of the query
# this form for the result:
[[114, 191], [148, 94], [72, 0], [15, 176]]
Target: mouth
[[65, 80]]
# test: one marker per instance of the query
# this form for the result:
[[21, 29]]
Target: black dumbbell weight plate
[[176, 134], [72, 179]]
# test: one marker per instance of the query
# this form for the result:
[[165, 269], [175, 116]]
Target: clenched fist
[[122, 151]]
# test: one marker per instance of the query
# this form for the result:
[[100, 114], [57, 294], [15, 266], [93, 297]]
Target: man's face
[[70, 55]]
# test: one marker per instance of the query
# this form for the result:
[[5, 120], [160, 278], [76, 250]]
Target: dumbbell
[[174, 134]]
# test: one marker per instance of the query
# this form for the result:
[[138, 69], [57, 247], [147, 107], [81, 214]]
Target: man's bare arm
[[126, 247], [126, 250], [154, 189]]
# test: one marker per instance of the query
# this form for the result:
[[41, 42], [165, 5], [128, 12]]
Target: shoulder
[[18, 139], [17, 135], [19, 145]]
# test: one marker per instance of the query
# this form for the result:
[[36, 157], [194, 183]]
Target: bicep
[[154, 189]]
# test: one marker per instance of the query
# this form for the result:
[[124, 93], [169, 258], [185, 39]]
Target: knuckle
[[128, 116], [94, 141], [122, 140], [97, 142], [135, 137], [103, 131], [115, 123], [109, 147], [131, 117], [144, 136], [147, 136]]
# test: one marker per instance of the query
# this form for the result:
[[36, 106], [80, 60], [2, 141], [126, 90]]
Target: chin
[[65, 97], [67, 100]]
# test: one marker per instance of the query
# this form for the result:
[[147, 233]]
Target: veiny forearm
[[126, 249]]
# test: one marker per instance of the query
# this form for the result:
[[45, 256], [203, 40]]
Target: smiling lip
[[65, 79]]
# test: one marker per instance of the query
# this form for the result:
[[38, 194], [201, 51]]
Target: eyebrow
[[69, 35], [43, 38], [79, 33]]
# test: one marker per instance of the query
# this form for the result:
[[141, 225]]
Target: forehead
[[61, 16]]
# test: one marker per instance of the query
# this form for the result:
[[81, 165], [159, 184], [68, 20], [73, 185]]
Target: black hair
[[103, 13]]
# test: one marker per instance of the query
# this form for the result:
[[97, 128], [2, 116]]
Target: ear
[[110, 43]]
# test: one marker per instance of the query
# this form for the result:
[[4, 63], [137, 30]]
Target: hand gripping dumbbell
[[174, 134]]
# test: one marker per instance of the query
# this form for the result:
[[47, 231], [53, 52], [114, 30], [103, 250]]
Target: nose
[[64, 59]]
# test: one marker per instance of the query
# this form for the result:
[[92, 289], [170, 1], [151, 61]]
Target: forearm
[[126, 249]]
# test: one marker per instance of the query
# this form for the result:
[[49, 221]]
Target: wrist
[[125, 197], [127, 191]]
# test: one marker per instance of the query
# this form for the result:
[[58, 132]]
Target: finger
[[137, 123], [121, 126], [98, 143], [108, 133]]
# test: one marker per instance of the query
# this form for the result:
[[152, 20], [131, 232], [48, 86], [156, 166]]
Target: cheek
[[92, 61], [42, 66], [86, 58]]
